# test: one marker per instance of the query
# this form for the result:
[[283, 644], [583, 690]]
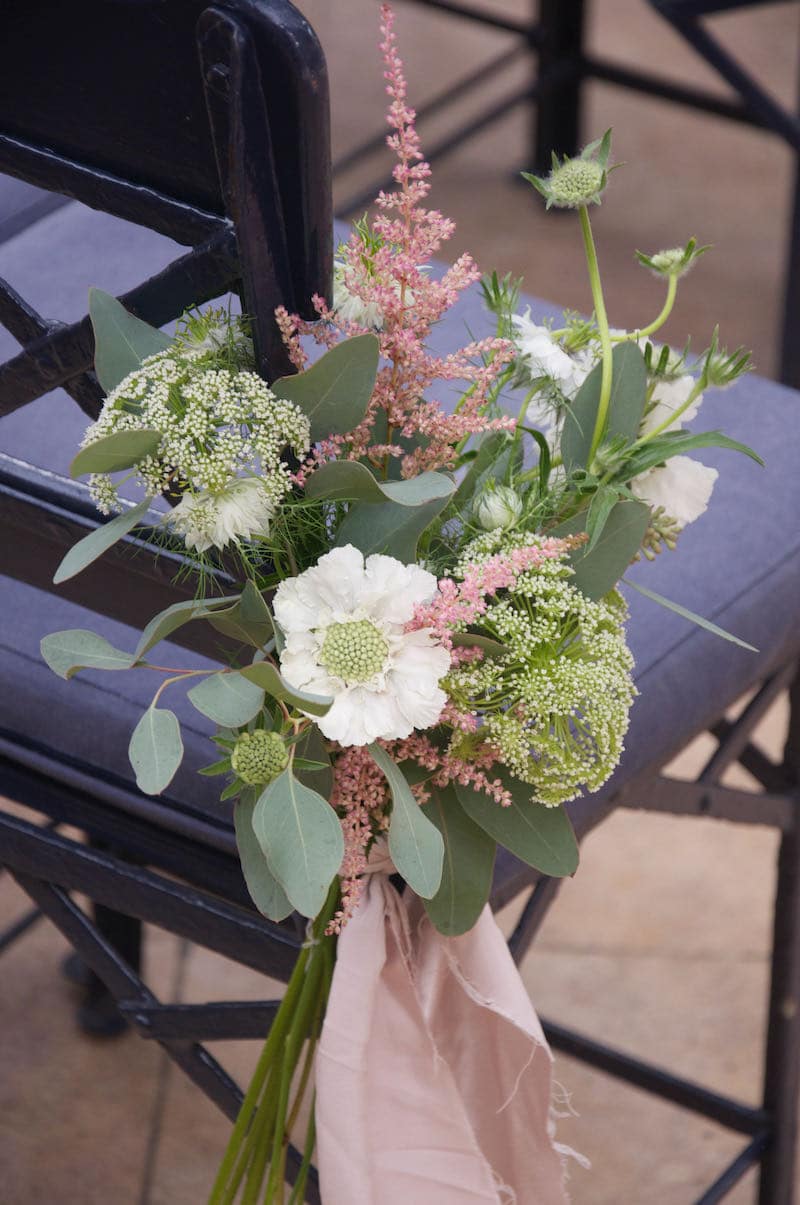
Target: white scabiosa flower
[[344, 622], [681, 488], [351, 308], [669, 396], [209, 519]]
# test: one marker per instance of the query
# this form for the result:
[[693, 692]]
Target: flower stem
[[602, 329], [645, 331], [670, 420]]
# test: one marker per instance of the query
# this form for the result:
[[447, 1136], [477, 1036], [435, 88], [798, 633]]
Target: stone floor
[[660, 942]]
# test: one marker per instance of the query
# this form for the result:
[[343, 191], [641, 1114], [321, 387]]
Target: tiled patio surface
[[660, 942]]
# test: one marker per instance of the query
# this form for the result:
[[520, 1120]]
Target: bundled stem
[[255, 1158]]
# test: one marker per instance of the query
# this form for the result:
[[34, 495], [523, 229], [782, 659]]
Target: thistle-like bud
[[499, 507], [259, 756], [675, 261], [579, 181], [721, 367]]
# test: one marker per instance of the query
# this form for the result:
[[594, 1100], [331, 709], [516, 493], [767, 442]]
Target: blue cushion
[[739, 565]]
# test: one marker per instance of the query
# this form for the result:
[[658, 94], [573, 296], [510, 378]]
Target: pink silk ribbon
[[433, 1076]]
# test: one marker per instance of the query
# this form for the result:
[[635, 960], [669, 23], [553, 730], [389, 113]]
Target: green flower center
[[354, 651], [575, 182], [259, 756]]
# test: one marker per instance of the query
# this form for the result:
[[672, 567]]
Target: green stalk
[[676, 413], [274, 1040], [298, 1193], [645, 331], [602, 330]]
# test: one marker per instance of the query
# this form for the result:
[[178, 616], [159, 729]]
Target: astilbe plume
[[387, 271]]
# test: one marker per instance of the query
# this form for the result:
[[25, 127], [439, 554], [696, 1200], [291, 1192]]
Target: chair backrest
[[208, 124]]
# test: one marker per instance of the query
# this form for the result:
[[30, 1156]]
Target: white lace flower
[[241, 510], [669, 396], [682, 487], [344, 621]]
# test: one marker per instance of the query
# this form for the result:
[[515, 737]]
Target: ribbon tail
[[433, 1077]]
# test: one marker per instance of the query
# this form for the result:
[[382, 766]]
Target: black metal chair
[[171, 861]]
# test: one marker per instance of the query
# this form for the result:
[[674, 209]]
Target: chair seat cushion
[[738, 566]]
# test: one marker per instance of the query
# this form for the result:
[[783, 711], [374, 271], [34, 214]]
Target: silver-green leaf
[[468, 866], [121, 450], [542, 837], [75, 649], [99, 541], [267, 677], [265, 890], [227, 698], [302, 841], [334, 392], [415, 844], [121, 341], [347, 480], [156, 750]]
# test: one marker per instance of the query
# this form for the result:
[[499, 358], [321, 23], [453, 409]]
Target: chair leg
[[557, 115], [782, 1065]]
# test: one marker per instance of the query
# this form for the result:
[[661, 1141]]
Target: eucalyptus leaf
[[75, 649], [248, 619], [388, 527], [348, 480], [539, 836], [265, 890], [227, 698], [302, 841], [121, 450], [121, 341], [625, 408], [335, 391], [598, 571], [468, 866], [489, 456], [491, 648], [171, 618], [311, 747], [415, 843], [690, 615], [99, 541], [267, 677], [156, 750]]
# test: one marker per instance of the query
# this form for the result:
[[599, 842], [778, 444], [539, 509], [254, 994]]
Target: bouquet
[[427, 652]]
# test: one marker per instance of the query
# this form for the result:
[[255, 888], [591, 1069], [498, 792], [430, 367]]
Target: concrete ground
[[660, 942]]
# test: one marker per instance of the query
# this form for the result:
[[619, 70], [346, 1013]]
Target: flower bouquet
[[427, 658]]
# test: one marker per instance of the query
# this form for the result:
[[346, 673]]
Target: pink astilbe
[[360, 793], [385, 267], [461, 603]]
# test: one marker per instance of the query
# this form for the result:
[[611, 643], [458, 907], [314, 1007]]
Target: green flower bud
[[259, 756], [579, 181], [499, 507], [675, 261]]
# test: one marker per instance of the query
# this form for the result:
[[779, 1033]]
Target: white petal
[[682, 486], [668, 397], [394, 589]]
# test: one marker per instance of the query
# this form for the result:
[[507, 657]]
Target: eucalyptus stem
[[603, 331]]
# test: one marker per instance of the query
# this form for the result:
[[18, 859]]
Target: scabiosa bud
[[259, 756], [675, 261], [499, 507], [579, 181]]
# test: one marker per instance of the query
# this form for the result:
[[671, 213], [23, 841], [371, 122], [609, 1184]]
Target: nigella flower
[[349, 307], [544, 359], [208, 519], [344, 621], [681, 487]]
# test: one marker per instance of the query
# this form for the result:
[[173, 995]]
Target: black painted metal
[[733, 1173], [557, 117]]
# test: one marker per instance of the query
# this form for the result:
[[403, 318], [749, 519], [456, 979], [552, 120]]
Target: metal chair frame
[[555, 40], [157, 860]]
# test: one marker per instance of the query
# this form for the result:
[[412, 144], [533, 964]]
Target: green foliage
[[539, 836], [301, 839], [335, 391], [99, 541], [415, 843], [690, 615], [248, 619], [265, 890], [347, 480], [228, 699], [467, 869], [311, 748], [264, 675], [626, 406], [111, 453], [656, 451], [388, 527], [121, 341], [598, 571], [156, 750], [75, 649]]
